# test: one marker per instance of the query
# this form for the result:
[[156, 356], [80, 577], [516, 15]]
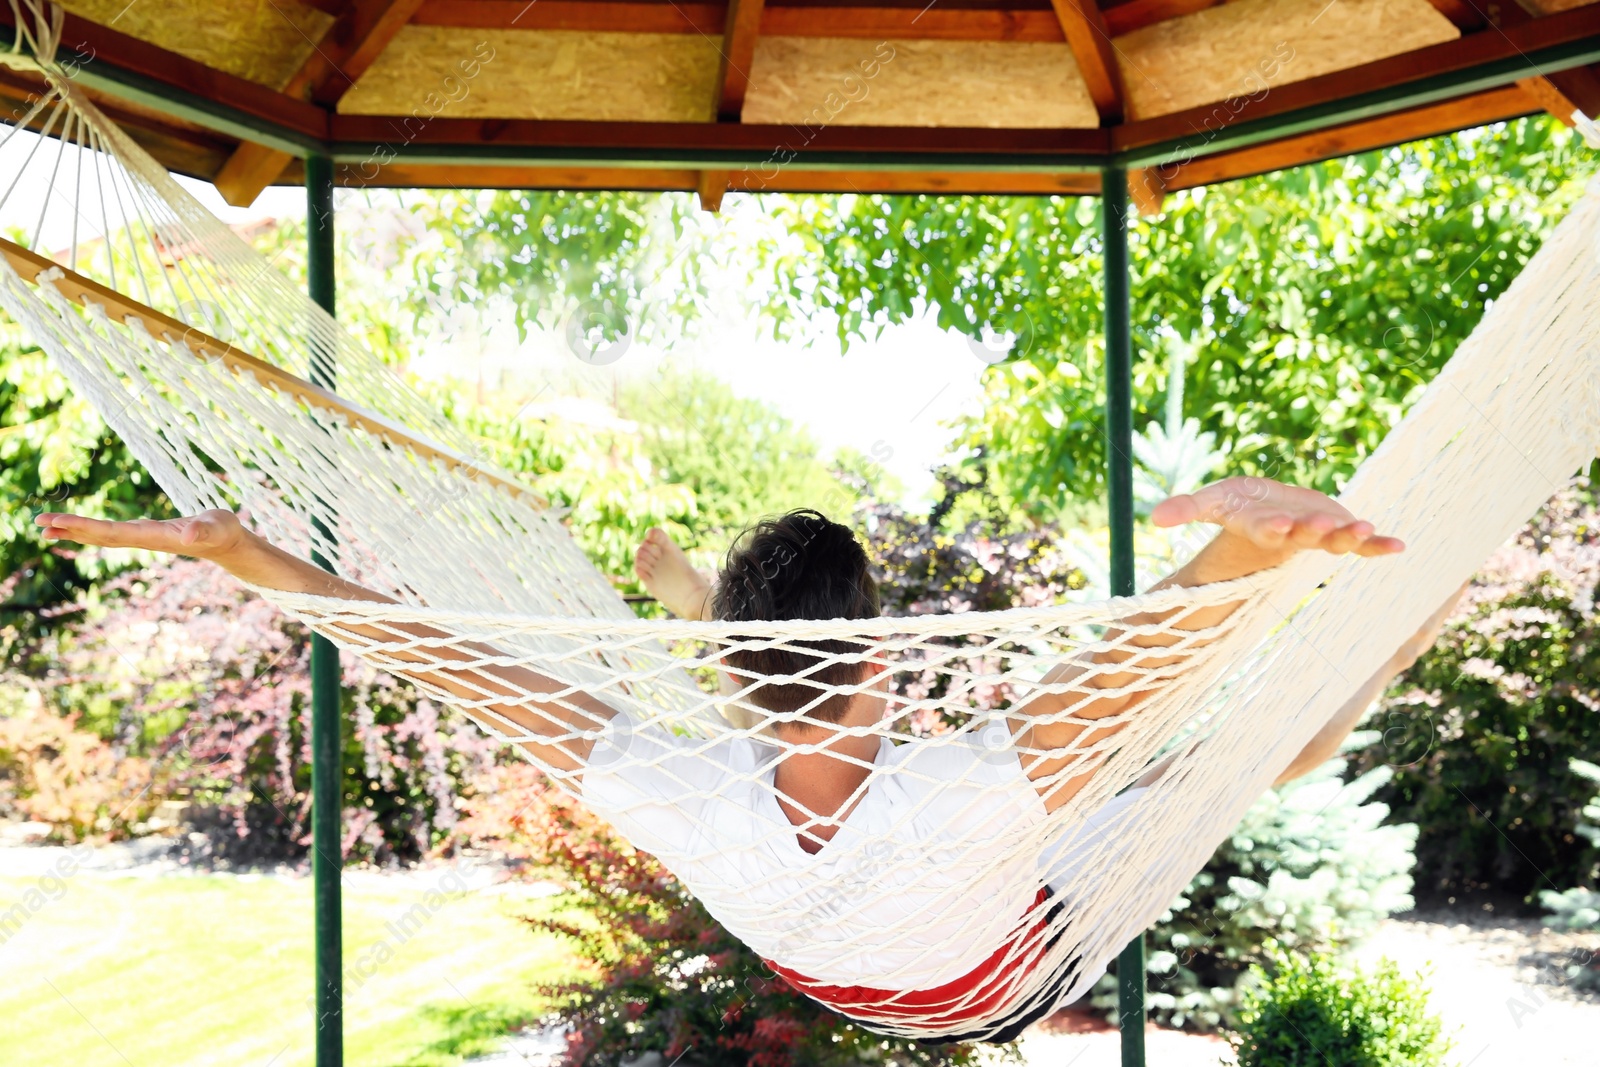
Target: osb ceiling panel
[[459, 72], [826, 81], [1247, 47], [262, 40]]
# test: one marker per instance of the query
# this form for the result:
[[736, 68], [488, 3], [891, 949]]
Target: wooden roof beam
[[1476, 62], [741, 25], [1566, 91], [406, 175], [855, 18], [1465, 14], [740, 28], [1090, 41], [346, 50], [1432, 120], [710, 187], [165, 82]]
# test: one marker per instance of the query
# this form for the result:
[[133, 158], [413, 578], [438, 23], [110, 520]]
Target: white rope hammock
[[956, 904]]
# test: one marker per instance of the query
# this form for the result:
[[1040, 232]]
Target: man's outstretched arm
[[219, 537], [1263, 524], [1330, 738]]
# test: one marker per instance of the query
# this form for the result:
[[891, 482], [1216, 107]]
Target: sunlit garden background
[[644, 363]]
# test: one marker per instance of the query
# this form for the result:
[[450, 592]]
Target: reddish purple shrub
[[179, 665]]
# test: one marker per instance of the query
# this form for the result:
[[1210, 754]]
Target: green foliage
[[178, 684], [56, 454], [1574, 909], [622, 261], [51, 771], [739, 458], [1309, 867], [1579, 908], [582, 458], [1306, 1013], [1483, 731], [1317, 301]]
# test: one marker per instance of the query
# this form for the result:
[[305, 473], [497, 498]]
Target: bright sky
[[890, 398]]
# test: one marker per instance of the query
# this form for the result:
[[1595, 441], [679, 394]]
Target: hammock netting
[[956, 866]]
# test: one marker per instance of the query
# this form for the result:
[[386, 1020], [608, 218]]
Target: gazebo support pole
[[327, 774], [1119, 477]]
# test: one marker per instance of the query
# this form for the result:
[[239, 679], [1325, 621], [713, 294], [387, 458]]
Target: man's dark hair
[[796, 566]]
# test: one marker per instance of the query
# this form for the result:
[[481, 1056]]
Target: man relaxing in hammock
[[711, 818]]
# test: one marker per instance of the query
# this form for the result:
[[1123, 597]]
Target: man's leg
[[667, 573]]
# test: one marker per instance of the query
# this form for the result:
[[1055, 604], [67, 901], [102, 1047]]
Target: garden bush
[[1578, 909], [662, 975], [1306, 1012], [176, 667], [1309, 867], [53, 772], [1483, 731]]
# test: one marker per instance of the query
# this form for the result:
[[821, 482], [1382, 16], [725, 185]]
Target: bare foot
[[665, 571]]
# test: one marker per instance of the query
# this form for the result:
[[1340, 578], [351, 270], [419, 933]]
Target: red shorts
[[986, 991]]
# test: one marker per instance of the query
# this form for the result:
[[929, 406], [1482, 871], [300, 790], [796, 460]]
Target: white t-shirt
[[929, 874]]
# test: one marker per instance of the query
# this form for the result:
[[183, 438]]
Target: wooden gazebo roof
[[865, 95]]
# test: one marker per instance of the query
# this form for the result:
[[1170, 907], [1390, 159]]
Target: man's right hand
[[214, 535]]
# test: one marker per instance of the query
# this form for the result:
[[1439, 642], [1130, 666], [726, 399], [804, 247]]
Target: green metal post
[[327, 785], [1119, 476]]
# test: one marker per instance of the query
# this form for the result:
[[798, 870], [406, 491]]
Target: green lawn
[[184, 971]]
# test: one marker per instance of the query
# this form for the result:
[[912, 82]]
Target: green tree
[[56, 454], [1317, 301], [740, 458]]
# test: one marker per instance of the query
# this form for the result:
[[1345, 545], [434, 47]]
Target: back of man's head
[[797, 566]]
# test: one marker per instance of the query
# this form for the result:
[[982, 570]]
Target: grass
[[188, 971]]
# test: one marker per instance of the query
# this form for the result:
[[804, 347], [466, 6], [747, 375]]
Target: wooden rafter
[[1465, 14], [350, 45], [788, 180], [1496, 105], [741, 27], [862, 19], [1090, 41], [711, 186], [1566, 91], [1137, 14]]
